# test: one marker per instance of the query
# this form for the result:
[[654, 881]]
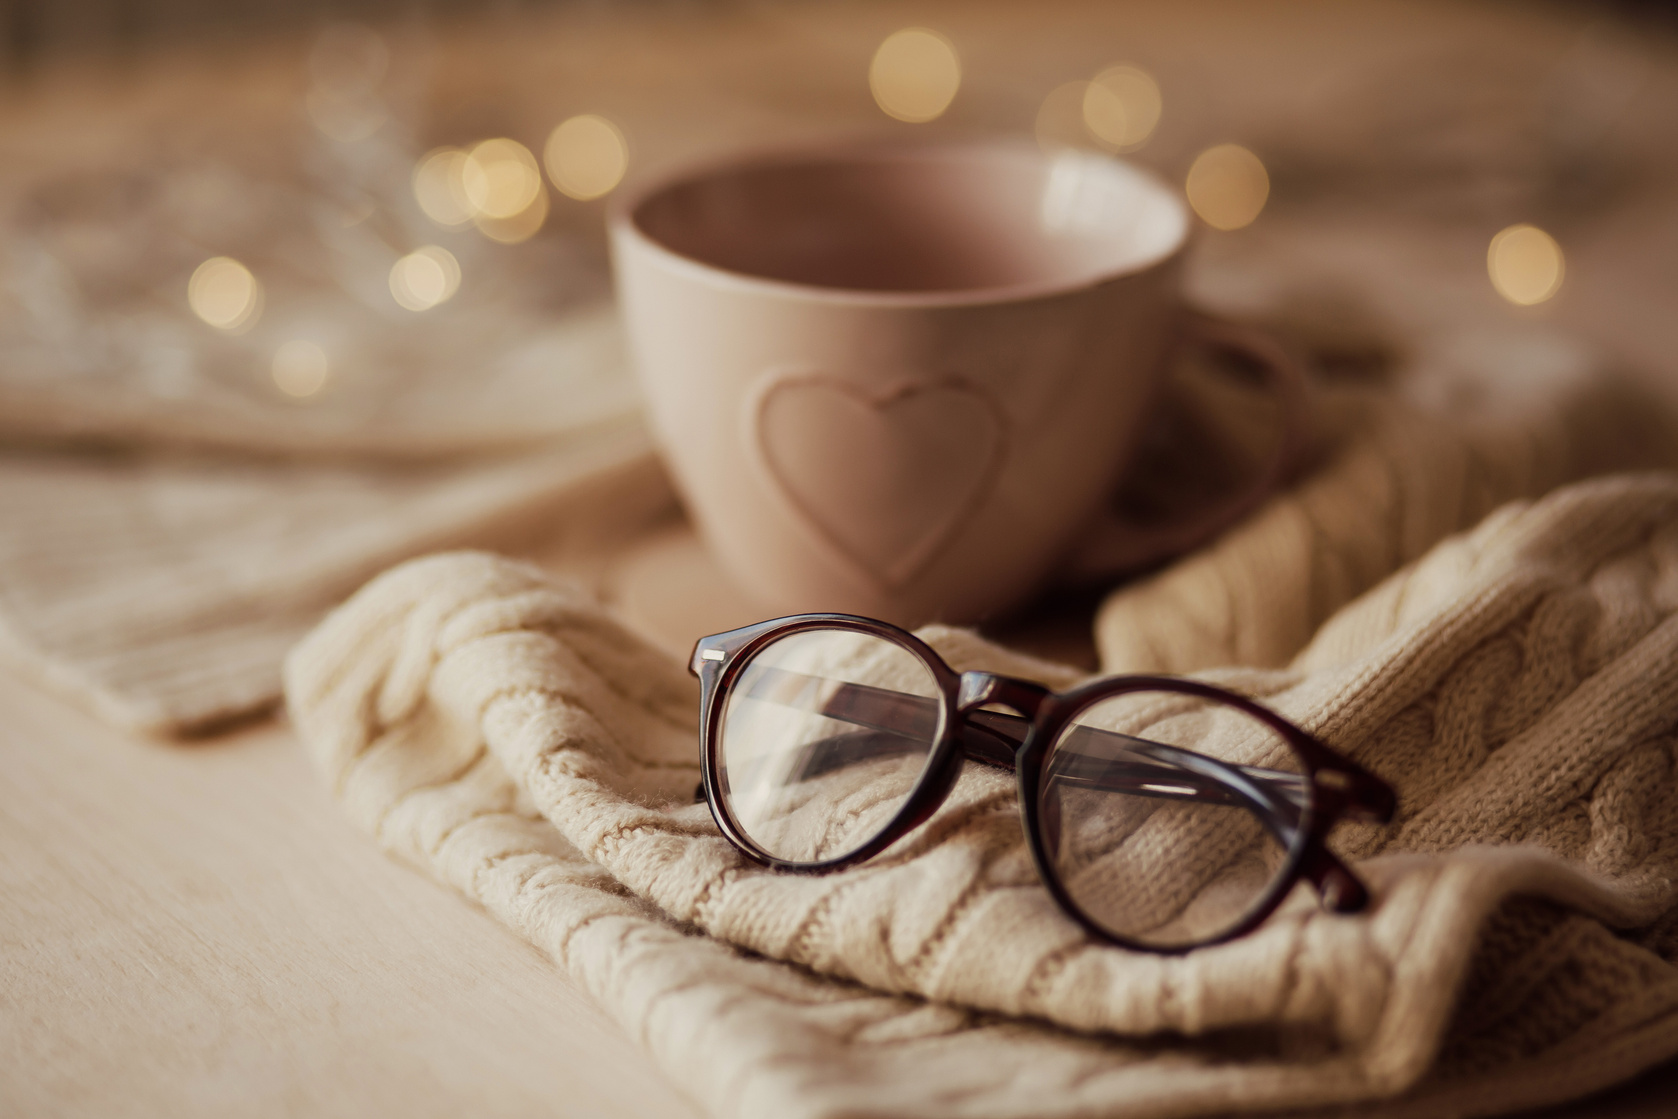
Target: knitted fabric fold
[[1517, 684]]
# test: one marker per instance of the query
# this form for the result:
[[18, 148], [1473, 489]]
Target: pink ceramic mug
[[902, 382]]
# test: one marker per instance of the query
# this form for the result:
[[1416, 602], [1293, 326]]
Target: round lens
[[824, 735], [1169, 819]]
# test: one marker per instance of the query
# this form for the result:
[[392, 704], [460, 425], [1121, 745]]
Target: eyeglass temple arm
[[1278, 799], [904, 722], [993, 737], [1245, 787]]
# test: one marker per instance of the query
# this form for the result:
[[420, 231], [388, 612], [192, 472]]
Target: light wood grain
[[192, 930]]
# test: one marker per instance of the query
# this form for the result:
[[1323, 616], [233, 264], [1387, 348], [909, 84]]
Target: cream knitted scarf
[[1518, 685]]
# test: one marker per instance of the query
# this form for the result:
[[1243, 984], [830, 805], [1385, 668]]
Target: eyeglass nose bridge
[[980, 688]]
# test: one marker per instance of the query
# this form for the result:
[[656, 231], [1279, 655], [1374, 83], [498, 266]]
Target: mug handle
[[1116, 545]]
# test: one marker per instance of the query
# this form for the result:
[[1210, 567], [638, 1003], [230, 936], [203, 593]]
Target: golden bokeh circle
[[915, 74], [300, 368], [586, 157], [1060, 118], [520, 227], [500, 178], [1525, 264], [1121, 107], [1227, 186], [424, 278], [440, 188], [224, 293]]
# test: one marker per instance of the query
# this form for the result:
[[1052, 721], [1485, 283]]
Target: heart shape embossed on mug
[[884, 475]]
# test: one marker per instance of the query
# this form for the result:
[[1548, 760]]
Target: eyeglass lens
[[1168, 819], [824, 735]]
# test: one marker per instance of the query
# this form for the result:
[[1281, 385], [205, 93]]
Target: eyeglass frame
[[1339, 788]]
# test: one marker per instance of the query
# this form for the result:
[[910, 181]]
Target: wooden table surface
[[192, 929]]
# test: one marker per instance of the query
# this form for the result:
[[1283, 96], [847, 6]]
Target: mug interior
[[921, 220]]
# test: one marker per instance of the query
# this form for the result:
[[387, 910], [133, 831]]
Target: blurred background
[[374, 228], [38, 28], [368, 238]]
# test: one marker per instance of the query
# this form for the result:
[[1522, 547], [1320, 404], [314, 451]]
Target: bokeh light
[[1227, 186], [520, 227], [300, 368], [1060, 118], [345, 120], [348, 59], [1525, 264], [1121, 107], [915, 75], [424, 278], [496, 185], [500, 178], [224, 294], [440, 187], [586, 157], [346, 66]]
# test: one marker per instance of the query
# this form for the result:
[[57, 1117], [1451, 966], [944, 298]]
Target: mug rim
[[622, 220]]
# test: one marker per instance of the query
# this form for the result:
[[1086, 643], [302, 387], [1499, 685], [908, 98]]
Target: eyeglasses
[[1163, 814]]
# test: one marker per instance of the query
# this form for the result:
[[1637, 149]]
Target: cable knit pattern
[[1398, 478], [1518, 685]]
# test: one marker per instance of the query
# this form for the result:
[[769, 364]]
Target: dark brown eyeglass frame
[[1336, 787]]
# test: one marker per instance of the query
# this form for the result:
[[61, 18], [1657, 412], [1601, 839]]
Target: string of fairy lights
[[497, 185]]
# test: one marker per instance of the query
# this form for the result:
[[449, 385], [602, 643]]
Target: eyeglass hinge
[[980, 688]]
